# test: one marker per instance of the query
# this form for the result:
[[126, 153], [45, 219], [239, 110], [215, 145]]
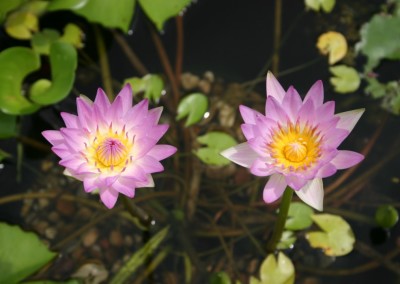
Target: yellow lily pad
[[21, 24], [277, 271], [334, 44], [336, 237]]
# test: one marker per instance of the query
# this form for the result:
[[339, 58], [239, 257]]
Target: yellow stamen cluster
[[295, 147]]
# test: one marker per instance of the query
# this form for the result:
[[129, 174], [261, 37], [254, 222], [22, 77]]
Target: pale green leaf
[[7, 6], [386, 216], [73, 35], [194, 106], [375, 88], [16, 63], [277, 271], [111, 14], [287, 240], [326, 5], [21, 25], [152, 85], [7, 125], [63, 62], [299, 216], [160, 10], [215, 142], [345, 80], [220, 278], [21, 254], [139, 257], [42, 41], [336, 237], [36, 7], [380, 40]]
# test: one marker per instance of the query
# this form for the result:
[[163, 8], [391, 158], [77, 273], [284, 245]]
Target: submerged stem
[[280, 222]]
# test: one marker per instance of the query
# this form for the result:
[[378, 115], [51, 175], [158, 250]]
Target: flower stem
[[280, 222]]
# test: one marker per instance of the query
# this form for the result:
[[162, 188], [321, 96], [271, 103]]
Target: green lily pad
[[276, 271], [21, 24], [194, 106], [21, 254], [7, 125], [36, 7], [7, 6], [215, 143], [386, 216], [63, 61], [152, 85], [111, 14], [380, 39], [336, 237], [16, 63], [42, 41], [220, 278], [299, 216], [345, 80], [287, 240], [316, 5], [73, 35], [160, 10]]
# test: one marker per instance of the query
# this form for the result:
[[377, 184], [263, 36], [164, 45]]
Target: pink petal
[[325, 112], [109, 197], [74, 138], [116, 111], [292, 102], [53, 136], [261, 168], [160, 152], [274, 111], [137, 113], [148, 183], [150, 164], [153, 116], [249, 115], [249, 130], [241, 154], [326, 171], [84, 107], [101, 101], [70, 120], [313, 194], [316, 94], [90, 183], [346, 159], [307, 113], [126, 98], [336, 137], [349, 119], [72, 163], [295, 181], [258, 144], [134, 173], [274, 188], [143, 146], [125, 190], [274, 89]]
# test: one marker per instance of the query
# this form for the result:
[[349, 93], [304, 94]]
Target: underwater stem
[[280, 222], [277, 36]]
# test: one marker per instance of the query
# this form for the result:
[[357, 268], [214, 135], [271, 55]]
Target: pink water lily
[[295, 142], [111, 147]]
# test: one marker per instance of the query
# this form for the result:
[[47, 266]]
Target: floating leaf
[[287, 240], [194, 106], [35, 7], [220, 278], [73, 35], [7, 125], [215, 142], [386, 216], [316, 5], [346, 79], [21, 254], [375, 88], [7, 6], [334, 44], [63, 61], [152, 85], [160, 10], [21, 25], [276, 272], [139, 257], [299, 216], [336, 239], [111, 14], [380, 40], [42, 41], [16, 63]]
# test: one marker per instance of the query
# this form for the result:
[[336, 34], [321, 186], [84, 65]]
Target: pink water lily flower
[[295, 142], [111, 147]]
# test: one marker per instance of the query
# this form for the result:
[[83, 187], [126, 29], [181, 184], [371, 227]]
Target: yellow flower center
[[109, 150], [295, 147]]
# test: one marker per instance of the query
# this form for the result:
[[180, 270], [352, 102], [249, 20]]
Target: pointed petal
[[295, 182], [349, 119], [148, 183], [313, 194], [261, 168], [153, 116], [274, 111], [70, 120], [90, 183], [249, 115], [125, 96], [316, 94], [241, 154], [150, 165], [124, 189], [336, 137], [102, 101], [160, 152], [109, 197], [53, 136], [274, 89], [292, 103], [346, 159], [326, 171], [274, 188], [307, 113]]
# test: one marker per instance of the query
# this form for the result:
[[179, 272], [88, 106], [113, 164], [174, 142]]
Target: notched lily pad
[[152, 85], [336, 237], [276, 271], [345, 80], [334, 44], [21, 24], [326, 5], [215, 143], [73, 35], [299, 216], [194, 106]]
